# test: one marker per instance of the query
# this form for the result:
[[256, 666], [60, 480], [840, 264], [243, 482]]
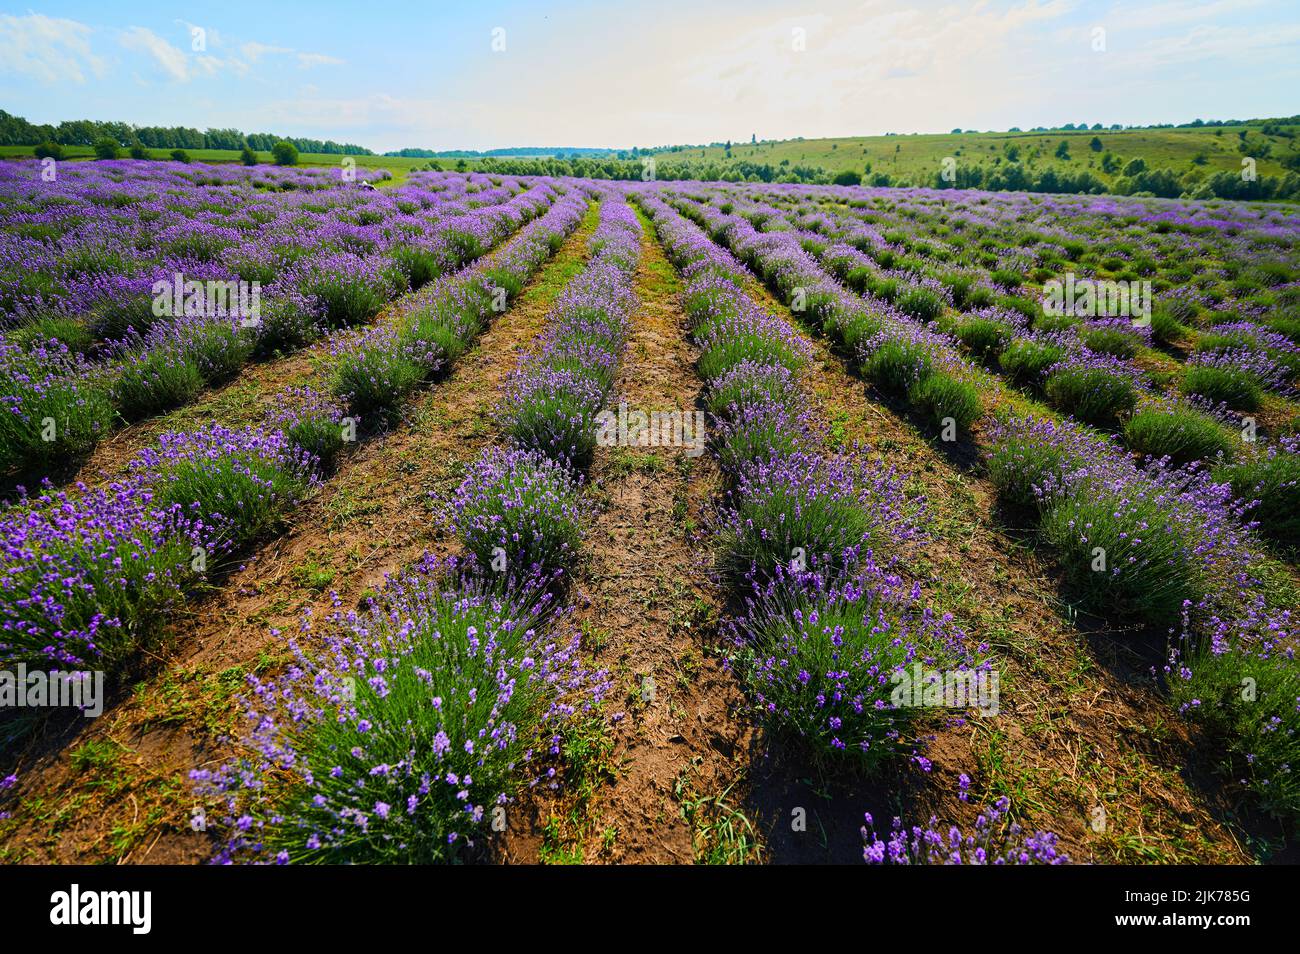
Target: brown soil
[[648, 612]]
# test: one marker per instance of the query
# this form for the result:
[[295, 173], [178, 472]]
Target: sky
[[480, 75]]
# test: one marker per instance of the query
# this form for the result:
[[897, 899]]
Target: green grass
[[917, 157]]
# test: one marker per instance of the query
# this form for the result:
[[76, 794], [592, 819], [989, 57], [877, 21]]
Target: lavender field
[[503, 518], [650, 441]]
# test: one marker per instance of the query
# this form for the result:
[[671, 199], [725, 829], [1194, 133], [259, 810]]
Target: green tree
[[139, 151], [1063, 150], [48, 150], [284, 153], [180, 155], [106, 148], [1095, 144], [247, 156]]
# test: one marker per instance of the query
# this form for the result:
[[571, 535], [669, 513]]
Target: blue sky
[[486, 74]]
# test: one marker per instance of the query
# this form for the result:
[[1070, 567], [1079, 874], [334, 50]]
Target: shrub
[[375, 372], [1007, 278], [1112, 338], [66, 332], [897, 365], [106, 148], [993, 840], [1026, 360], [155, 379], [52, 404], [1165, 325], [1182, 434], [1124, 552], [218, 347], [285, 325], [1272, 481], [985, 338], [828, 509], [856, 329], [554, 412], [440, 702], [748, 384], [923, 304], [820, 661], [345, 289], [760, 431], [1257, 736], [1234, 387], [139, 152], [180, 155], [314, 423], [247, 156], [284, 154], [518, 512], [417, 264], [943, 396], [757, 338], [123, 317], [1288, 325], [1097, 391], [48, 150], [85, 578], [1030, 459], [238, 483]]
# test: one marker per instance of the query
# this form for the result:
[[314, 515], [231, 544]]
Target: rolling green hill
[[918, 158]]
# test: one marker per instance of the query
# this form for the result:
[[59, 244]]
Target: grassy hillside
[[918, 157]]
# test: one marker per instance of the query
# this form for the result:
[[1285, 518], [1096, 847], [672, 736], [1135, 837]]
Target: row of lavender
[[811, 538], [244, 272], [1209, 264], [1169, 547], [408, 728], [1233, 363], [86, 577], [1228, 287], [892, 253], [1085, 367]]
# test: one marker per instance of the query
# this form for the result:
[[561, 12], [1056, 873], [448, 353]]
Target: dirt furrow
[[648, 612]]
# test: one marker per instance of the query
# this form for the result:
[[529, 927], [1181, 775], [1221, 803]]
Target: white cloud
[[169, 59], [307, 60], [254, 51], [47, 48]]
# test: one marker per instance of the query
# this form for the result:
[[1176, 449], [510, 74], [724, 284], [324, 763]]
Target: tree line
[[17, 131]]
